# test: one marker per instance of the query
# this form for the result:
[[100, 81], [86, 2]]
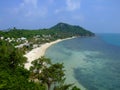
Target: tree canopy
[[43, 74]]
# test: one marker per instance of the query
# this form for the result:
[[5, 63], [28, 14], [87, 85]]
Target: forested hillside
[[61, 30]]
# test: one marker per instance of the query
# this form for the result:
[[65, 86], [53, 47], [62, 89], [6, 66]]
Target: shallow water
[[93, 62]]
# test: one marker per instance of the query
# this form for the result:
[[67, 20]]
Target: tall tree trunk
[[49, 85]]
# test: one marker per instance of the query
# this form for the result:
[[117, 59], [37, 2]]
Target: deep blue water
[[113, 39], [93, 62]]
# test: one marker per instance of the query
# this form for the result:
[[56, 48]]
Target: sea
[[90, 62]]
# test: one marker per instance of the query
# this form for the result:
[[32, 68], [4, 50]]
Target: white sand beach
[[39, 51]]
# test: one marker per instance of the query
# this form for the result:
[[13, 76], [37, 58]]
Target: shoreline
[[40, 51]]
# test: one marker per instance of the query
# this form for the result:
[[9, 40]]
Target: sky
[[99, 16]]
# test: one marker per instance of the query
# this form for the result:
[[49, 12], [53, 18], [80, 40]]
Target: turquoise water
[[93, 62]]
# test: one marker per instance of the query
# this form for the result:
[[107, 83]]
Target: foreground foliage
[[13, 76]]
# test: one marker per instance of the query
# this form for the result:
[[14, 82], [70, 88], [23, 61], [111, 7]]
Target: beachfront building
[[1, 38]]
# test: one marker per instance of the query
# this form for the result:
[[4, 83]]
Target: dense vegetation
[[70, 30], [61, 30], [43, 75]]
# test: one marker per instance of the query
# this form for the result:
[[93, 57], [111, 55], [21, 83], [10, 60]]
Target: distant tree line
[[61, 30]]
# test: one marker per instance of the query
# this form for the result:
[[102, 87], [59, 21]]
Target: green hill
[[61, 30], [71, 30]]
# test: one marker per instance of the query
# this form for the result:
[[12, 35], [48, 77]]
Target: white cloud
[[31, 2], [58, 10], [73, 5], [51, 1], [78, 17], [30, 8]]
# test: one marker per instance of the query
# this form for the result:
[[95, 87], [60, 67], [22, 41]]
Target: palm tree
[[38, 66], [49, 74], [53, 75]]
